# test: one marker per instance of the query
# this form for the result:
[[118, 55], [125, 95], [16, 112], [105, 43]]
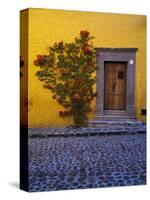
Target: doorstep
[[87, 131]]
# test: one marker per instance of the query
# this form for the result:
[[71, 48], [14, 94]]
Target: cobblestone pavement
[[57, 163]]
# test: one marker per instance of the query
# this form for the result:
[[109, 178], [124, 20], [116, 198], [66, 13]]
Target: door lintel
[[100, 49]]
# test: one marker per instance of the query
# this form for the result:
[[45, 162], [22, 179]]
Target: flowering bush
[[67, 71]]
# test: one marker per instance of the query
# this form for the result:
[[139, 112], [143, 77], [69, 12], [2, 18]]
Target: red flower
[[48, 86], [61, 113], [75, 98], [39, 56], [84, 33], [85, 45], [60, 43], [40, 60], [87, 51], [59, 100]]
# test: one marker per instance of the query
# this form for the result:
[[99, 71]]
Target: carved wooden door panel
[[115, 85]]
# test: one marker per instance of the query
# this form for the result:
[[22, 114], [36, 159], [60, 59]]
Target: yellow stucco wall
[[110, 30]]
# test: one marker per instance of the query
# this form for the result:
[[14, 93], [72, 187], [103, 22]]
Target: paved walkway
[[85, 162]]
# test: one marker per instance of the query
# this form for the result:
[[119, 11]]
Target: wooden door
[[115, 85]]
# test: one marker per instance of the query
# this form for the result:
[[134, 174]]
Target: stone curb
[[81, 132]]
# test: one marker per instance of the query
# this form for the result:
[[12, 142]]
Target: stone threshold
[[115, 122]]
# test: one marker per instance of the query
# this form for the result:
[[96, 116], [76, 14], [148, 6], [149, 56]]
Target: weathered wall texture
[[110, 30]]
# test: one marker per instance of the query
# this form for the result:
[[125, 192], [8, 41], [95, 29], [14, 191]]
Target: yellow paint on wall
[[110, 30]]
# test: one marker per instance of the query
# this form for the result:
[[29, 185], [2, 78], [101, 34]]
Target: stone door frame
[[127, 55]]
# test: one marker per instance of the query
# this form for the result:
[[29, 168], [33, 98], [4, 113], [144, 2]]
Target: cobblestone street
[[57, 163]]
